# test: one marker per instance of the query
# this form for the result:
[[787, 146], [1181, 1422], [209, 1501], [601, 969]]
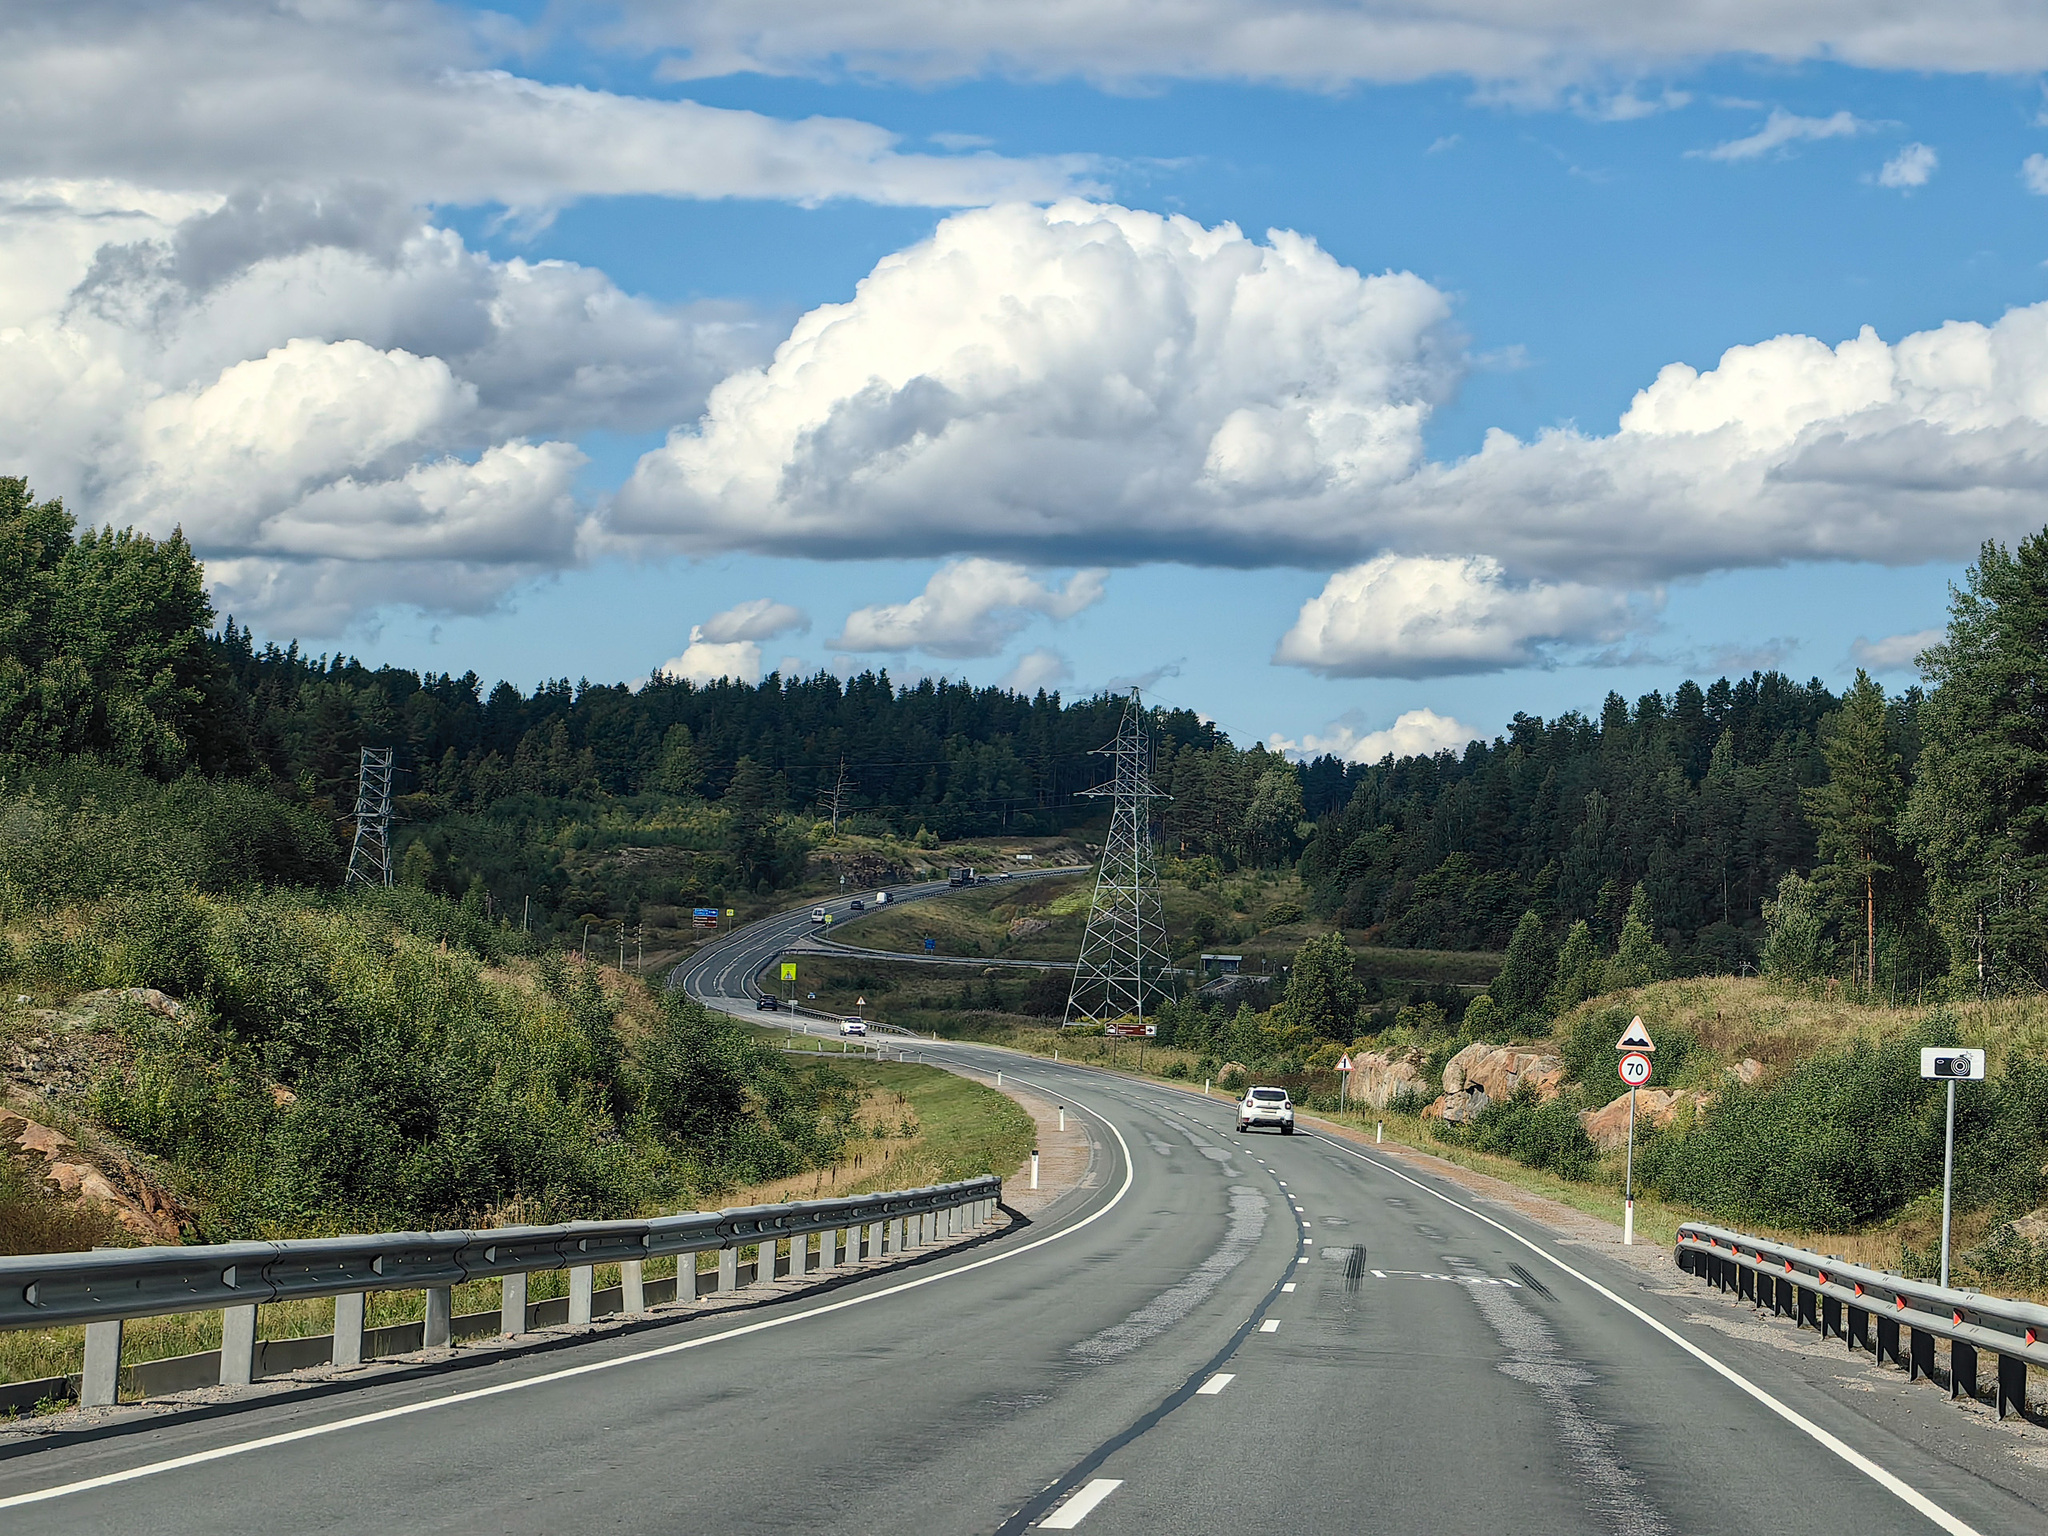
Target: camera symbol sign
[[1635, 1069]]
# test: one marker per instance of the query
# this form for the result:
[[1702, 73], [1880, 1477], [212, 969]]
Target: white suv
[[1267, 1107]]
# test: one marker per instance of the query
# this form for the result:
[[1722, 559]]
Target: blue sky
[[412, 397]]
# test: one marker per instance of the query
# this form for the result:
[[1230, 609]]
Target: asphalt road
[[1215, 1333]]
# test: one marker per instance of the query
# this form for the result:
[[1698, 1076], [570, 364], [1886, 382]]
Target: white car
[[853, 1026], [817, 914], [1266, 1107]]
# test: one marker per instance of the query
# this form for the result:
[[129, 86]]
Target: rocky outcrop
[[103, 1178], [1378, 1076], [1028, 927], [1457, 1108], [1608, 1125], [159, 1003], [1498, 1070], [1747, 1071]]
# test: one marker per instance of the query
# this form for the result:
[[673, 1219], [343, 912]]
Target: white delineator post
[[1063, 1117], [1034, 1167]]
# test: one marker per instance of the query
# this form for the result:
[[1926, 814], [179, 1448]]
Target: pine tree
[[1526, 974], [1978, 812], [1856, 811], [1638, 959], [1580, 971], [681, 767]]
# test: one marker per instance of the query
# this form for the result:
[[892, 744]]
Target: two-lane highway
[[1217, 1333]]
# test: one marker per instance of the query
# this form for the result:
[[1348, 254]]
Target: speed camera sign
[[1635, 1069]]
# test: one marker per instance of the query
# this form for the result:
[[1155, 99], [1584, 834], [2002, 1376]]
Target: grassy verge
[[916, 1125]]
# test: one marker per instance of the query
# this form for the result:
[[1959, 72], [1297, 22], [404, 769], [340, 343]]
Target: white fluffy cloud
[[402, 94], [1782, 129], [2034, 172], [1894, 653], [1319, 42], [1912, 166], [1415, 733], [1036, 669], [968, 608], [1082, 377], [341, 405], [1405, 616], [760, 619], [706, 661]]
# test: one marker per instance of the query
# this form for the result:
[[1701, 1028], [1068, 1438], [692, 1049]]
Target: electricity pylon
[[1124, 950], [369, 859]]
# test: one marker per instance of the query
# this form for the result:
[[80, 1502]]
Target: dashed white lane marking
[[1270, 1325], [1081, 1505], [1288, 1286], [1380, 1273], [1308, 1242], [1303, 1260], [1215, 1384]]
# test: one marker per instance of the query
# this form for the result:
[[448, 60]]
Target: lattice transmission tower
[[1123, 953], [369, 858]]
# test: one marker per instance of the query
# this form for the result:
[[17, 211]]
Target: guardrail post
[[348, 1327], [1745, 1283], [99, 1384], [2012, 1385], [896, 1235], [1921, 1355], [1858, 1332], [799, 1255], [728, 1268], [632, 1288], [238, 1345], [1888, 1341], [828, 1249], [512, 1305], [582, 1282], [1803, 1298], [1962, 1369], [440, 1317], [874, 1240], [1830, 1317]]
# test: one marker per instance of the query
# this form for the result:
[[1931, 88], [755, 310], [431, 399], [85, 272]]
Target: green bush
[[1539, 1134], [1590, 1057]]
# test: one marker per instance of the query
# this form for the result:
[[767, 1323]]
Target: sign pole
[[1628, 1183], [1948, 1168]]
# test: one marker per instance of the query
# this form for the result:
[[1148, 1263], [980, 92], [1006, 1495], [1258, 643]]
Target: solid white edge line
[[1895, 1486], [1081, 1505], [1215, 1384], [477, 1394]]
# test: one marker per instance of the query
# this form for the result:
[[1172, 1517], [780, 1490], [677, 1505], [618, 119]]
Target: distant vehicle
[[1266, 1107], [853, 1026], [817, 914], [767, 1003], [881, 898], [855, 905], [960, 874]]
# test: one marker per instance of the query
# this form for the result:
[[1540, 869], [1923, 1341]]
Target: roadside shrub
[[1590, 1057], [1538, 1134]]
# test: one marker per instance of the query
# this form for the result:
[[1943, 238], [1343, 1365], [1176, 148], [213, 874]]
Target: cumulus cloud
[[1315, 42], [968, 608], [1782, 129], [706, 661], [1036, 669], [761, 619], [1404, 616], [2034, 172], [1910, 167], [403, 93], [1414, 733], [326, 382], [1083, 376], [1894, 653]]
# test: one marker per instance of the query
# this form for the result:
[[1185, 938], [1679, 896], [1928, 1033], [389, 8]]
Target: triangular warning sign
[[1343, 1063], [1635, 1037]]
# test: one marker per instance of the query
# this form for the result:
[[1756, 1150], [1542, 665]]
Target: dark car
[[856, 906], [771, 1004]]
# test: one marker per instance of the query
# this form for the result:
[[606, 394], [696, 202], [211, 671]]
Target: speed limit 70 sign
[[1635, 1069]]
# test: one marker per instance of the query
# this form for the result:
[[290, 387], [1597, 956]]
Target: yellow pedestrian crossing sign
[[789, 970]]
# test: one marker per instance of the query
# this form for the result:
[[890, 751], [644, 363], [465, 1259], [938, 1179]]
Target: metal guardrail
[[109, 1287], [1844, 1300]]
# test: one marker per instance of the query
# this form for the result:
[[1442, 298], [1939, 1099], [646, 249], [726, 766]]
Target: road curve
[[1216, 1333]]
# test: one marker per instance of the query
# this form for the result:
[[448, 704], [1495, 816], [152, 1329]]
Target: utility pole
[[369, 857], [1124, 947]]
